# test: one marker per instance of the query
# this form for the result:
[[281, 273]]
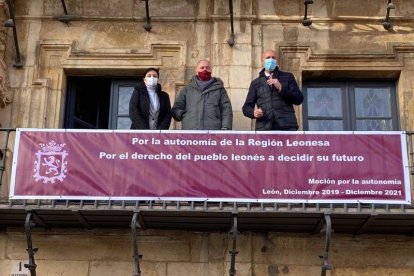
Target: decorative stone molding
[[340, 60], [4, 15], [304, 61], [60, 58], [5, 96]]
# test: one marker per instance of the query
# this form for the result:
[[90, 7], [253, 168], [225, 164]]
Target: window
[[350, 105], [121, 94], [98, 103]]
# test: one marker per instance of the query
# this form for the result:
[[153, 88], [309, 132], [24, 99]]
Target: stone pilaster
[[5, 96]]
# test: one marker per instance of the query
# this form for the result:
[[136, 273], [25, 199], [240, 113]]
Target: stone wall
[[108, 36], [346, 39], [177, 253]]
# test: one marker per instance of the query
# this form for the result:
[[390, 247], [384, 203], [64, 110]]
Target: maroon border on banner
[[234, 166]]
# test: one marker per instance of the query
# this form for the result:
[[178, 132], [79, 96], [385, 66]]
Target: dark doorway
[[98, 103]]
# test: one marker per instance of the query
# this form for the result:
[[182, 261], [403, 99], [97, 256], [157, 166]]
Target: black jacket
[[277, 106], [139, 106]]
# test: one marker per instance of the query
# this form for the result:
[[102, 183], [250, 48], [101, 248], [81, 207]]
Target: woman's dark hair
[[151, 69]]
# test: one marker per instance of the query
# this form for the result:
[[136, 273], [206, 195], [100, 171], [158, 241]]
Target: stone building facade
[[100, 39]]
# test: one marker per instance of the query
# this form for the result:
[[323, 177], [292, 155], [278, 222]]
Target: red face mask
[[204, 75]]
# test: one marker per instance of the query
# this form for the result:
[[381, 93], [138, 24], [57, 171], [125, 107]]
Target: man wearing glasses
[[271, 97]]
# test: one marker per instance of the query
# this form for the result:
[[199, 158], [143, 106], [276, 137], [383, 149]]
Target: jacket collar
[[214, 85], [275, 72]]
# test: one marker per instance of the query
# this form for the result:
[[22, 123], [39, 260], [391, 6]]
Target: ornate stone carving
[[5, 96]]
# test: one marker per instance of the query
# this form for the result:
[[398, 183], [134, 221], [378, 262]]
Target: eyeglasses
[[270, 57]]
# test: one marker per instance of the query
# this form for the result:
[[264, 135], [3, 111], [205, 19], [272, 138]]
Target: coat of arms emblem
[[50, 164]]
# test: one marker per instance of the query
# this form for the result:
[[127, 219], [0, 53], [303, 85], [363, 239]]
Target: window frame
[[113, 109], [347, 88]]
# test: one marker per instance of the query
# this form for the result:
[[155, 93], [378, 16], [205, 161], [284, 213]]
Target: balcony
[[206, 216], [353, 218]]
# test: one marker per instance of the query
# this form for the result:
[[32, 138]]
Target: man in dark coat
[[271, 97]]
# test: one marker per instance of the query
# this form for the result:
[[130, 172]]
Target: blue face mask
[[270, 64]]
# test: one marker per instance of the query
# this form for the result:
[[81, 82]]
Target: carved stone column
[[4, 93]]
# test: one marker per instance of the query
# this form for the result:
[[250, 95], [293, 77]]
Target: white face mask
[[151, 81]]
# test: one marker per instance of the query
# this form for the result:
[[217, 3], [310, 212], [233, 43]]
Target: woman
[[149, 106]]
